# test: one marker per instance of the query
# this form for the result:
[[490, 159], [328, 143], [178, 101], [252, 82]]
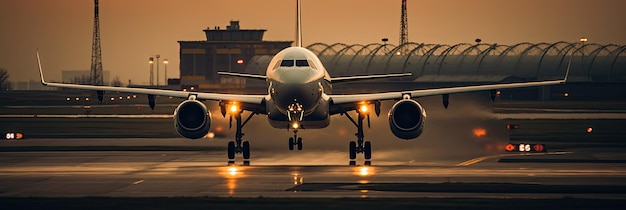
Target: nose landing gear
[[295, 114]]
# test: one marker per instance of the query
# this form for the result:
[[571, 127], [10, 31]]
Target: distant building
[[29, 85], [227, 50]]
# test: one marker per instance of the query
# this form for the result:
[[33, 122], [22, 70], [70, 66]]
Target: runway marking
[[138, 182], [480, 159]]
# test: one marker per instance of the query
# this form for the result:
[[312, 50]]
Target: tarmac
[[120, 168]]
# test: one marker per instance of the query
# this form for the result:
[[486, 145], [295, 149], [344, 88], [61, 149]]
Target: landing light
[[364, 109], [234, 108], [295, 125]]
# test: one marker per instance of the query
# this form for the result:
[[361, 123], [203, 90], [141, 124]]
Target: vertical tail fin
[[298, 24]]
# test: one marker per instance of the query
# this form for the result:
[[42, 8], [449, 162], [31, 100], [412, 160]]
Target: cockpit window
[[286, 63], [312, 65], [301, 63], [277, 65]]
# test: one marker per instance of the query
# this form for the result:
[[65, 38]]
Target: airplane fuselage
[[298, 89]]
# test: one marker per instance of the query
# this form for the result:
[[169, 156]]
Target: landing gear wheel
[[291, 143], [299, 143], [367, 151], [231, 151], [239, 146], [360, 146], [246, 150], [352, 149]]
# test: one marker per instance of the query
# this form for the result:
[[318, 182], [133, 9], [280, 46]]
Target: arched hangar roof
[[528, 61]]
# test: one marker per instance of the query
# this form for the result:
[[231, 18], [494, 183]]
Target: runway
[[77, 162], [97, 168]]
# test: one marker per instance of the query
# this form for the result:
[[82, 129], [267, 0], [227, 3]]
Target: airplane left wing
[[251, 99], [340, 99]]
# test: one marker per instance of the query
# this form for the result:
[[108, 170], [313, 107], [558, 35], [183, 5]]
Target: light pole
[[151, 62], [157, 62], [165, 62], [582, 58]]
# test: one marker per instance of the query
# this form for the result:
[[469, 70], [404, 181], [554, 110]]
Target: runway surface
[[120, 168], [459, 156]]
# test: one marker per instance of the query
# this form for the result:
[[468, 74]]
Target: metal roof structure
[[471, 62]]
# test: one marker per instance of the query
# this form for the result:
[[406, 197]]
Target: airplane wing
[[251, 76], [367, 77], [352, 98], [251, 99]]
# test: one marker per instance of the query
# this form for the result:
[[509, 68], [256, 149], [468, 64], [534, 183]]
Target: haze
[[132, 31]]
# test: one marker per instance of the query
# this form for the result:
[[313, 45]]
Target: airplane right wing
[[251, 76], [250, 99], [367, 77]]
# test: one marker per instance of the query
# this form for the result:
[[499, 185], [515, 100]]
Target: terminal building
[[229, 50], [596, 70]]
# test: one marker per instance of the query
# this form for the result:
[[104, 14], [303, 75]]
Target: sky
[[132, 31]]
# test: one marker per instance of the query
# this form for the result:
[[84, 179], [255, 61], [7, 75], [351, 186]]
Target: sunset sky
[[134, 30]]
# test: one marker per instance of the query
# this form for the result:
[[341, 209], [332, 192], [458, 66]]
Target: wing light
[[234, 108]]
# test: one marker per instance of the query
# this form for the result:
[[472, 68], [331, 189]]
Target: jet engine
[[406, 119], [192, 119]]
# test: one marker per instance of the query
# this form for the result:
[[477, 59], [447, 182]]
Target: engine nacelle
[[192, 119], [406, 119]]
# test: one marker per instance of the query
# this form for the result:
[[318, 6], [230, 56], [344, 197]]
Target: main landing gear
[[239, 146], [360, 146]]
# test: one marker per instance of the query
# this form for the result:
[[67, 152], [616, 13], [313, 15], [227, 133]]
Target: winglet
[[569, 64], [43, 82]]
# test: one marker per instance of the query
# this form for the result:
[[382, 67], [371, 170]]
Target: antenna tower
[[404, 27], [96, 57]]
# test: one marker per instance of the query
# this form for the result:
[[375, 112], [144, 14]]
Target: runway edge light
[[523, 147]]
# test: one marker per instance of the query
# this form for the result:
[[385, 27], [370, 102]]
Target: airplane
[[300, 97]]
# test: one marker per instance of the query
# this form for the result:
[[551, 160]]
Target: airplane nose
[[294, 77]]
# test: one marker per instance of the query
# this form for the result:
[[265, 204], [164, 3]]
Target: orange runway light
[[510, 147], [479, 132], [589, 129]]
